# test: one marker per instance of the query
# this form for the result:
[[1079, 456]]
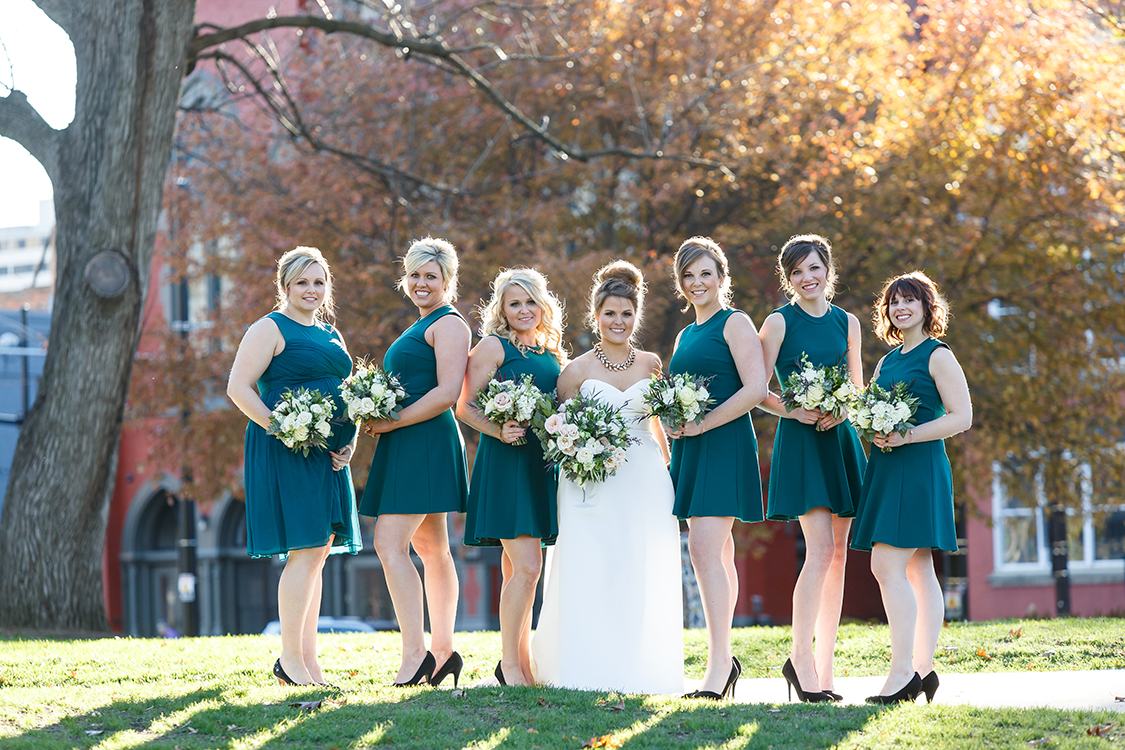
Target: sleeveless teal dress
[[716, 473], [513, 489], [420, 468], [907, 495], [294, 501], [810, 468]]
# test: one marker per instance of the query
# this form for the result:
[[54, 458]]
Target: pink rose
[[502, 402], [553, 423]]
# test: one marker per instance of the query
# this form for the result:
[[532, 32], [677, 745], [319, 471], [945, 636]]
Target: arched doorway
[[148, 562], [247, 585]]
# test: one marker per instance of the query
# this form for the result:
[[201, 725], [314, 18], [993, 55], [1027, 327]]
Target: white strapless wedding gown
[[612, 615]]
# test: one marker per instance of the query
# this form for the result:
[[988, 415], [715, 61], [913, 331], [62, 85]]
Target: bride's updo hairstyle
[[692, 250], [439, 251], [292, 266], [618, 279], [935, 308], [794, 253], [494, 323]]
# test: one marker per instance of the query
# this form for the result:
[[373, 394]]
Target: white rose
[[570, 430], [686, 395], [378, 390], [619, 455], [304, 417], [668, 395], [585, 456], [902, 411], [301, 434], [568, 450], [845, 391], [367, 405], [565, 442], [704, 394], [815, 394], [316, 409], [323, 428]]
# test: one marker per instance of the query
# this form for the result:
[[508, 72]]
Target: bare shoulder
[[773, 327], [739, 325], [649, 362], [450, 326], [263, 330], [943, 361]]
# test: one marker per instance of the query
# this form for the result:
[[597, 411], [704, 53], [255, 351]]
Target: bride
[[612, 615]]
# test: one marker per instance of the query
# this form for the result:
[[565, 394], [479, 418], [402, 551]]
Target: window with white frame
[[1095, 533]]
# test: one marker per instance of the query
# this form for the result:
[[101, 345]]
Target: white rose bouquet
[[371, 393], [677, 399], [877, 411], [302, 420], [586, 438], [502, 400], [829, 388]]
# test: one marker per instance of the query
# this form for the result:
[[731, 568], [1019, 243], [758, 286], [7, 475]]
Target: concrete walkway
[[1066, 690]]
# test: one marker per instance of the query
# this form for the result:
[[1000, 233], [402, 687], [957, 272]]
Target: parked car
[[327, 625]]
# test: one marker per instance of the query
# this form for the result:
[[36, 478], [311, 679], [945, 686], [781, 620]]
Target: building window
[[24, 269], [4, 270], [1095, 533], [21, 242]]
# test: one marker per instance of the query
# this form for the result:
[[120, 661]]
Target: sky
[[37, 58]]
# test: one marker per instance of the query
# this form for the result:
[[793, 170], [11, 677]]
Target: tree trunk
[[108, 168]]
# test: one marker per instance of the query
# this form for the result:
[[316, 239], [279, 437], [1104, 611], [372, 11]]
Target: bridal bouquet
[[586, 438], [829, 388], [677, 399], [301, 420], [877, 411], [503, 400], [371, 393]]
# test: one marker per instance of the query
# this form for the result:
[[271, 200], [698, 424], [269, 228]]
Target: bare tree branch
[[20, 122], [452, 57]]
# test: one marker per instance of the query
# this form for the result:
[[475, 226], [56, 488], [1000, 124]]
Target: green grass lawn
[[218, 693]]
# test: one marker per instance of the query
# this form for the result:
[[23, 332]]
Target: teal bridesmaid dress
[[513, 488], [812, 468], [907, 495], [294, 501], [420, 468], [716, 473]]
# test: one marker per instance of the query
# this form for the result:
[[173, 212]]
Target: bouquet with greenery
[[677, 399], [586, 438], [828, 388], [877, 411], [504, 400], [371, 393], [302, 419]]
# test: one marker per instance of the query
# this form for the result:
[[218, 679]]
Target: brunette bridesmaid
[[715, 462], [906, 504], [818, 461], [418, 474]]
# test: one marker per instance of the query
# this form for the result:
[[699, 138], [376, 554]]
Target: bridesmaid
[[418, 473], [299, 506], [901, 530], [512, 500], [818, 462], [715, 462]]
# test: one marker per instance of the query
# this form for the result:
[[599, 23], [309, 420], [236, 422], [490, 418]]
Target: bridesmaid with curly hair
[[906, 504], [512, 497]]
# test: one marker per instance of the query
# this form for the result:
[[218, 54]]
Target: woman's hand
[[376, 427], [806, 416], [691, 429], [894, 440], [827, 421], [341, 457], [512, 431]]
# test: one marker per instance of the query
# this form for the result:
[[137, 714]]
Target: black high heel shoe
[[908, 693], [836, 697], [452, 666], [930, 685], [282, 678], [426, 670], [500, 674], [732, 679], [805, 696]]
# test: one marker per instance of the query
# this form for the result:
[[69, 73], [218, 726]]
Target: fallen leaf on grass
[[457, 693], [1099, 730], [1039, 741], [1048, 654], [94, 732], [1119, 698], [606, 740], [619, 706], [544, 704], [193, 730], [532, 730], [353, 673], [981, 652], [1016, 633], [323, 702]]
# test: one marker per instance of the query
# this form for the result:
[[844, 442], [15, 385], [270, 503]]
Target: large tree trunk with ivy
[[108, 168]]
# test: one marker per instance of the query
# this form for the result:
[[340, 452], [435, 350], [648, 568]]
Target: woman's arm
[[746, 349], [262, 342], [484, 360], [772, 335], [954, 391], [656, 367], [855, 371], [450, 340], [570, 379]]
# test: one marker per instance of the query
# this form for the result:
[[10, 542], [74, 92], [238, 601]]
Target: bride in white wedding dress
[[612, 615]]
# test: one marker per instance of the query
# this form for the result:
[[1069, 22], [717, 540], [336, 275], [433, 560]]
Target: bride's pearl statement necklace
[[614, 366]]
